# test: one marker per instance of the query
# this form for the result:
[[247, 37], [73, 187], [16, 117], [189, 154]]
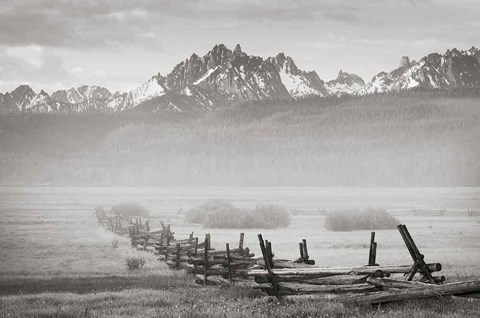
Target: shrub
[[129, 209], [221, 214], [114, 243], [370, 219], [201, 212], [271, 216], [134, 263]]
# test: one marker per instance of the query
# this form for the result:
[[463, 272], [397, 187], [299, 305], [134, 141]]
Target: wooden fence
[[283, 278]]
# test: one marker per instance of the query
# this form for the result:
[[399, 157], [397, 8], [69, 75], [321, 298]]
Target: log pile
[[290, 279]]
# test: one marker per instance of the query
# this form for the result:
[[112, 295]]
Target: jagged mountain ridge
[[83, 98], [345, 84], [454, 69], [223, 77]]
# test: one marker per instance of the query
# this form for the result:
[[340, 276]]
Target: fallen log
[[210, 272], [330, 280], [211, 280], [325, 296], [181, 265], [392, 283], [430, 291], [172, 248], [224, 252], [289, 264], [317, 272], [305, 289]]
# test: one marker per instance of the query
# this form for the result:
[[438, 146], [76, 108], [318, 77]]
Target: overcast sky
[[120, 44]]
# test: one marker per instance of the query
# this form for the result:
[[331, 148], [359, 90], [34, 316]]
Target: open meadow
[[55, 260]]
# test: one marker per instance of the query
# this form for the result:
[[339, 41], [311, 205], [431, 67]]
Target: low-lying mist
[[411, 139]]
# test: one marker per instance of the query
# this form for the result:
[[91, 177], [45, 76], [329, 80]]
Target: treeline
[[414, 139]]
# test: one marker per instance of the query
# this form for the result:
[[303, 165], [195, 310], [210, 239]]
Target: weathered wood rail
[[283, 278]]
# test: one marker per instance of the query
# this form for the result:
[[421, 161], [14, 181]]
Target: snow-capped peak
[[345, 84], [146, 91]]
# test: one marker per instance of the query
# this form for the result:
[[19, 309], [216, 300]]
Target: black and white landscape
[[224, 77], [145, 145]]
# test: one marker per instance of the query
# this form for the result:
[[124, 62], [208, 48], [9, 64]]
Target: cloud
[[73, 24], [32, 65], [92, 24], [120, 25], [65, 42]]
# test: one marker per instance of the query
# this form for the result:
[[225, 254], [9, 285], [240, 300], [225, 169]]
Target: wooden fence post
[[418, 258], [195, 247], [300, 247], [240, 243], [229, 263], [372, 255], [205, 258], [161, 237], [166, 249], [267, 265], [269, 252], [305, 250], [177, 261]]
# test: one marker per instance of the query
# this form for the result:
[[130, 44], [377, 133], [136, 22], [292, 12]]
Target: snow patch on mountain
[[345, 84], [206, 75], [144, 92], [295, 84], [187, 92]]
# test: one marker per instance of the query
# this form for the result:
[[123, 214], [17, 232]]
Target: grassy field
[[55, 261]]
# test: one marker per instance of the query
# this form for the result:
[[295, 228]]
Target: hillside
[[409, 139]]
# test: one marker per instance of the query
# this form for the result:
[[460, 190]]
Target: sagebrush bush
[[130, 209], [221, 214], [199, 213], [370, 219], [134, 262]]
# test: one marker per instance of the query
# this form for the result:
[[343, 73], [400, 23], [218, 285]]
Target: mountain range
[[223, 77]]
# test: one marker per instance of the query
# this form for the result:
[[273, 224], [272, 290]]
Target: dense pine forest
[[409, 139]]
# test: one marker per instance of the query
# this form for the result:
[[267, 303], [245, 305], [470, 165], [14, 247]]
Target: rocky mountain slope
[[84, 98], [454, 69], [345, 84], [223, 77]]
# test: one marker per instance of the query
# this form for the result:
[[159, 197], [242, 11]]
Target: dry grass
[[214, 302], [135, 263], [62, 264]]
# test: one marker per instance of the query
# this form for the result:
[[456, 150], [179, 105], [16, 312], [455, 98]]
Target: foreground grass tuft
[[134, 263]]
